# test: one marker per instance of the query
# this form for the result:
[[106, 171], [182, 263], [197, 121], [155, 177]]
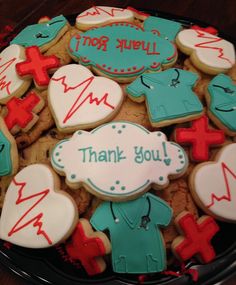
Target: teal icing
[[56, 153], [122, 49], [135, 249], [168, 94], [222, 92], [5, 155], [40, 34], [104, 191], [166, 29]]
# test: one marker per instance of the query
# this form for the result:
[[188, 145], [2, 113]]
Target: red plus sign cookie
[[88, 247], [201, 137], [37, 66], [21, 113], [196, 237]]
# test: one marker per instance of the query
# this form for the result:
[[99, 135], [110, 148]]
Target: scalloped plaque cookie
[[130, 157], [122, 51]]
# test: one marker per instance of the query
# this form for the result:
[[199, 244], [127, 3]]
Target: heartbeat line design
[[79, 100], [36, 221], [213, 40], [227, 196], [100, 11], [3, 82]]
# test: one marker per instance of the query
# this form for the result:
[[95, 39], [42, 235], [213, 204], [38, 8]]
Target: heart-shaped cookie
[[34, 214], [79, 100]]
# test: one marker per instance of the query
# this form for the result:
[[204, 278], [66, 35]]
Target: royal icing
[[37, 66], [210, 50], [99, 15], [80, 100], [20, 112], [222, 102], [128, 155], [214, 185], [10, 83], [196, 237], [164, 28], [88, 247], [137, 244], [200, 137], [168, 95], [8, 151], [34, 215], [40, 34], [122, 50]]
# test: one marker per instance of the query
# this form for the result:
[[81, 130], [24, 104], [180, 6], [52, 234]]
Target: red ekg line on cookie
[[227, 196], [197, 237], [99, 11], [80, 101], [37, 65], [3, 83], [36, 221], [86, 249], [200, 137], [212, 41], [20, 110]]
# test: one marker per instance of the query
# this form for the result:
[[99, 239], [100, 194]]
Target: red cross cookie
[[37, 66], [88, 247], [201, 137], [195, 239], [21, 113]]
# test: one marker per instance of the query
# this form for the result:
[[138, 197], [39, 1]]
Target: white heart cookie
[[10, 83], [213, 185], [80, 100], [34, 215]]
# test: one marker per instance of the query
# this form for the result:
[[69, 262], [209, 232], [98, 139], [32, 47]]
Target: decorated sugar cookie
[[79, 100], [89, 247], [200, 137], [169, 96], [42, 35], [137, 244], [208, 52], [130, 157], [35, 213], [10, 83], [9, 159], [100, 15], [213, 185], [37, 66], [221, 101], [122, 51], [21, 113], [195, 238], [164, 28]]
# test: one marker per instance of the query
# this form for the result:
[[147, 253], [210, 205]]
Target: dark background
[[218, 13]]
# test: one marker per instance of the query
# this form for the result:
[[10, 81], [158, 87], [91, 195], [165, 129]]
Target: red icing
[[128, 72], [200, 137], [196, 237], [36, 221], [100, 10], [37, 65], [20, 110], [80, 101], [3, 83], [86, 249], [209, 30], [227, 196], [213, 40]]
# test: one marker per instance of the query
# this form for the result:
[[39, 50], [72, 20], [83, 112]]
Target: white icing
[[59, 212], [209, 180], [221, 53], [9, 80], [108, 177], [102, 14], [71, 85]]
